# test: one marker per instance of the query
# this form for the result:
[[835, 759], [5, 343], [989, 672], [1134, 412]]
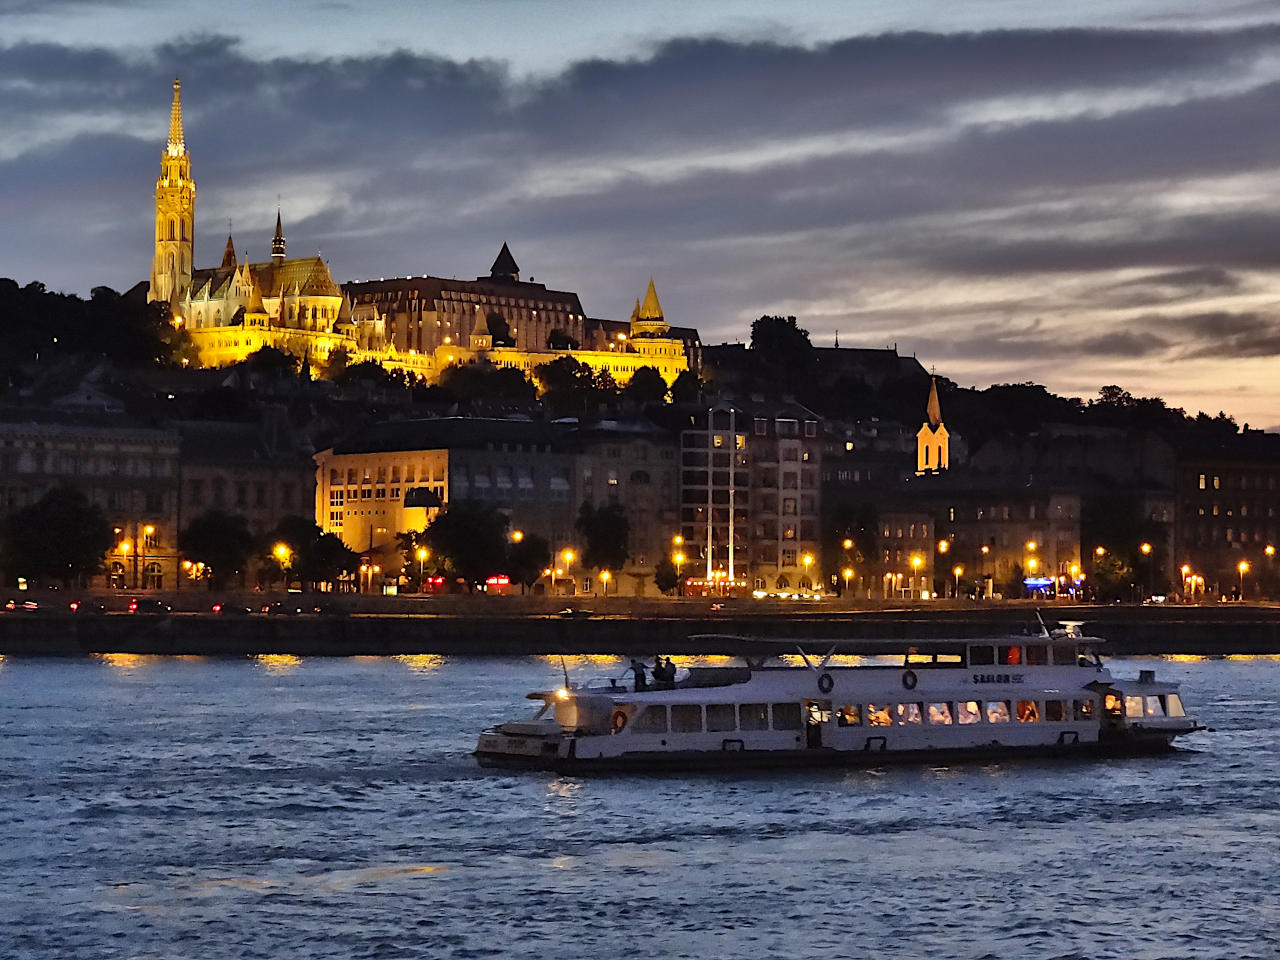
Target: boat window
[[1037, 654], [919, 658], [1065, 654], [1011, 655], [1154, 707], [982, 656], [686, 718], [1112, 704], [940, 713], [850, 715], [997, 711], [786, 716], [753, 716], [720, 716], [1173, 705], [953, 658], [1082, 709], [878, 715], [1132, 706], [1028, 711], [910, 713], [652, 719], [1055, 711]]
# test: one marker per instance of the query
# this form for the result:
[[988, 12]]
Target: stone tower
[[647, 320], [175, 213], [277, 242], [933, 441]]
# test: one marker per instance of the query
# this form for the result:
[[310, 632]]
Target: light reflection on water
[[223, 808], [278, 662]]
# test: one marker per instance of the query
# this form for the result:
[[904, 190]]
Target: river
[[328, 808]]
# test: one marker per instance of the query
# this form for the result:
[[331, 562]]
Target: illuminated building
[[933, 442]]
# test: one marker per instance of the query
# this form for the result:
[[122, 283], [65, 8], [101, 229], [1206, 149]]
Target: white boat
[[1047, 694]]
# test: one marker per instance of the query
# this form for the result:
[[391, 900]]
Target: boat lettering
[[998, 678]]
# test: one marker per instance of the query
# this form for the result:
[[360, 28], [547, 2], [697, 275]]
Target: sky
[[1073, 194]]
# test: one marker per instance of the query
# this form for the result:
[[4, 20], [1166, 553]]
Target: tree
[[527, 559], [62, 536], [557, 339], [469, 541], [221, 541], [783, 352], [313, 556], [665, 576], [571, 388], [484, 381], [337, 363], [687, 388], [645, 387], [272, 361], [605, 533]]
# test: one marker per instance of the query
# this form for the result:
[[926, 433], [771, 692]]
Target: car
[[149, 606], [87, 607], [223, 609], [282, 609], [22, 606], [573, 613]]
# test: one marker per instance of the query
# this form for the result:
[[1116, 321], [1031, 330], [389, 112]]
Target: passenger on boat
[[638, 669]]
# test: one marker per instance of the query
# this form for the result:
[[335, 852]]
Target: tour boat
[[1043, 694]]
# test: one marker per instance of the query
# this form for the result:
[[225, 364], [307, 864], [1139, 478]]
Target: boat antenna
[[1044, 630], [805, 657], [565, 667], [827, 659]]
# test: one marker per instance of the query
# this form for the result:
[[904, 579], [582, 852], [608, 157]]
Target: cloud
[[981, 197]]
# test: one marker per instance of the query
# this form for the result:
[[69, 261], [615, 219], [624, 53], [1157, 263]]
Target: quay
[[516, 626]]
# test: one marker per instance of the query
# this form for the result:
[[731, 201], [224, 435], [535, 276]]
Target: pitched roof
[[934, 408], [651, 309], [505, 266]]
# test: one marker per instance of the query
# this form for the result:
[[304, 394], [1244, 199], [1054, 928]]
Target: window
[[849, 715], [1173, 705], [878, 716], [1055, 711], [652, 719], [940, 714], [1133, 706], [982, 656], [686, 718], [909, 713], [753, 716], [1028, 711], [720, 717], [786, 716], [1012, 656], [1037, 654], [1064, 654], [997, 711], [968, 711]]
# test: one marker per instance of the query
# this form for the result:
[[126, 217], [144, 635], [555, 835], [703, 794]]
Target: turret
[[175, 213], [647, 319]]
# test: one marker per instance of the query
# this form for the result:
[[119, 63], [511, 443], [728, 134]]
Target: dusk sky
[[1075, 194]]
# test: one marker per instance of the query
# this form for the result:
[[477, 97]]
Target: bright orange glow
[[848, 544], [1243, 566], [1100, 551], [517, 536], [944, 546], [1145, 548], [1031, 546], [957, 571]]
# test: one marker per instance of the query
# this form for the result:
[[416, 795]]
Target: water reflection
[[278, 662], [128, 662], [421, 662]]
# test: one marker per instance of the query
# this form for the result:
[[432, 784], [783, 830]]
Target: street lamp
[[1031, 546], [1243, 568], [364, 569], [807, 560], [422, 558], [1186, 581], [604, 581], [916, 564], [517, 536], [848, 543], [1099, 552], [956, 571], [944, 546], [848, 572]]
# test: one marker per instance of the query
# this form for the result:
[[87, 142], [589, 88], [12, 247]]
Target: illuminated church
[[420, 325]]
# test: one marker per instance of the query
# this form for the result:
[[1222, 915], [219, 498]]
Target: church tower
[[175, 213], [933, 442], [647, 320], [277, 242]]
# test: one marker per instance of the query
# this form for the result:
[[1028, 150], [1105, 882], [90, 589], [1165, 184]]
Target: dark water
[[198, 808]]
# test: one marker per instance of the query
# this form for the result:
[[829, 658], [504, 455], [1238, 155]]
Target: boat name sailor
[[997, 678]]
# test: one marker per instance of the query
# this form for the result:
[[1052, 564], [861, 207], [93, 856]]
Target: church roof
[[229, 254], [307, 276], [481, 329], [505, 266], [651, 309]]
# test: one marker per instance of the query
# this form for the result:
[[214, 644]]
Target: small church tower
[[647, 319], [277, 242], [481, 337], [175, 213], [933, 442]]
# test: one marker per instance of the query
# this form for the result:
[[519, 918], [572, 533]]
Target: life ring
[[618, 721], [826, 682], [909, 679]]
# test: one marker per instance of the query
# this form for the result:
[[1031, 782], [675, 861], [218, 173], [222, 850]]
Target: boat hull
[[692, 761]]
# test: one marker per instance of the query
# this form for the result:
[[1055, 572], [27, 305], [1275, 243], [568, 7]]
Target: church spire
[[934, 408], [651, 309], [176, 146], [504, 266], [647, 320], [229, 254], [277, 242]]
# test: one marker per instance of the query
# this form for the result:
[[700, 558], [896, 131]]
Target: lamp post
[[848, 572], [1186, 583], [282, 552], [956, 571], [124, 552], [1243, 567], [422, 559], [566, 557], [364, 569], [147, 533], [916, 564], [678, 559], [604, 581], [807, 560]]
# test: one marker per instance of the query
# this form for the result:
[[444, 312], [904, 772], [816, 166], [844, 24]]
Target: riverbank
[[1191, 630]]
